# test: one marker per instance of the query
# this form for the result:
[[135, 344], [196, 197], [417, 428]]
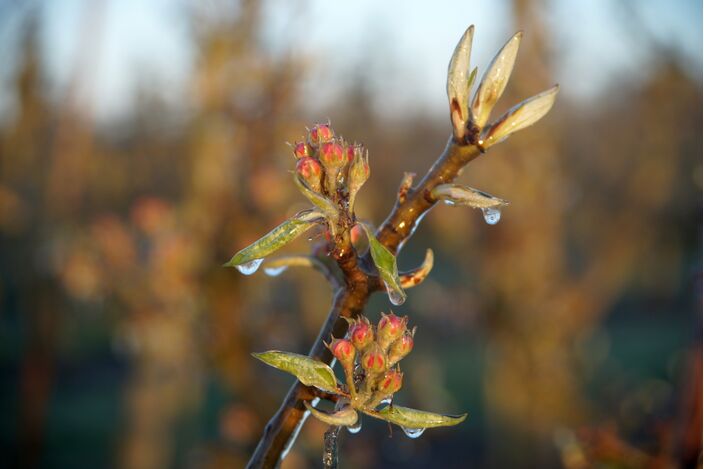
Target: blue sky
[[402, 47]]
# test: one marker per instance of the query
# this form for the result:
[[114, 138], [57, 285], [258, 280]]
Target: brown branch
[[349, 301]]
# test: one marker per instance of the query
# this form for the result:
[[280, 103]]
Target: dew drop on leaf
[[274, 271], [491, 215], [413, 432], [248, 268], [395, 297], [355, 428]]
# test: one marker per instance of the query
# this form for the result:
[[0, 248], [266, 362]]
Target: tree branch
[[349, 301]]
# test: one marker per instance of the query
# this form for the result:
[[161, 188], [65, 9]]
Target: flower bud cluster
[[330, 166], [369, 356]]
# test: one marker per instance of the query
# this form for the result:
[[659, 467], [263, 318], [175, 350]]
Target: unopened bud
[[302, 150], [320, 133], [401, 347], [358, 173], [343, 350], [374, 360], [310, 170], [361, 333], [332, 156], [391, 382], [390, 328]]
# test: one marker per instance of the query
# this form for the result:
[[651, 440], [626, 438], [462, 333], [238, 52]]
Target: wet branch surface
[[350, 299]]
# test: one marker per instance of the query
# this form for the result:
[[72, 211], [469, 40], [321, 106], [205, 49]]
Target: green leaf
[[344, 417], [385, 262], [323, 203], [454, 194], [308, 371], [273, 241], [412, 418]]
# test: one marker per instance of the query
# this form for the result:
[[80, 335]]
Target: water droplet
[[449, 202], [353, 429], [384, 402], [413, 432], [396, 297], [248, 268], [492, 215], [275, 271]]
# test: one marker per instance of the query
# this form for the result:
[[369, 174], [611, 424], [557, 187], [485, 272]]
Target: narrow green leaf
[[344, 417], [412, 418], [520, 116], [273, 241], [323, 203], [454, 194], [308, 371], [385, 262]]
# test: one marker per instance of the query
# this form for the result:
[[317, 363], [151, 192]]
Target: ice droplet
[[395, 297], [353, 429], [413, 432], [492, 215], [248, 268], [274, 271]]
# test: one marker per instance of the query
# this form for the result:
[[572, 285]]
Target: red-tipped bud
[[390, 328], [374, 360], [361, 333], [302, 150], [320, 133], [391, 382], [332, 155], [310, 170], [401, 347], [357, 234], [349, 153], [343, 350]]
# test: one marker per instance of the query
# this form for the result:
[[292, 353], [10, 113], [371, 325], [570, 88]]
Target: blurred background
[[142, 143]]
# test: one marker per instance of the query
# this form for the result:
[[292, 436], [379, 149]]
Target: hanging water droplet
[[384, 402], [396, 297], [413, 432], [275, 271], [492, 215], [355, 428], [248, 268]]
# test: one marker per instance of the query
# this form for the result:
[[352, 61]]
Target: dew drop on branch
[[275, 271], [413, 432], [491, 215], [355, 428], [248, 268]]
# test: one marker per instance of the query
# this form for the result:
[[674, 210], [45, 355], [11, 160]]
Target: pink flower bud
[[390, 328], [349, 152], [391, 382], [302, 150], [361, 333], [374, 360], [357, 234], [401, 347], [343, 350], [332, 155], [311, 172], [319, 134]]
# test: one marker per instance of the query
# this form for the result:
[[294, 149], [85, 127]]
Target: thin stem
[[349, 300], [330, 447]]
